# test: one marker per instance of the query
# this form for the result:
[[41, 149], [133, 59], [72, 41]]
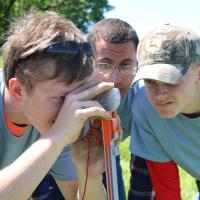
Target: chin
[[167, 115], [123, 92]]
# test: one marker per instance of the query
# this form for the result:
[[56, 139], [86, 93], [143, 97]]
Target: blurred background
[[143, 15]]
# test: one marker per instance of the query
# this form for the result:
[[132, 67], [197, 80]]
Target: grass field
[[188, 186]]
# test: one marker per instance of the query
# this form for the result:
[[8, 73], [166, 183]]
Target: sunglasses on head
[[70, 48]]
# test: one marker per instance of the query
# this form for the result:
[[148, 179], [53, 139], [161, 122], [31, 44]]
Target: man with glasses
[[108, 69], [45, 101], [115, 44]]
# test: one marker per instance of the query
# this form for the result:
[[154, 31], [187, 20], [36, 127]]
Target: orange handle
[[108, 127]]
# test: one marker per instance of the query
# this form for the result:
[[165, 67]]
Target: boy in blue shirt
[[164, 115]]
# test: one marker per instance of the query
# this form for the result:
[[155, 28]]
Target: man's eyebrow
[[105, 59], [128, 59]]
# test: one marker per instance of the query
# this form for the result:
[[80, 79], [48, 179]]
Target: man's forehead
[[115, 51], [104, 44]]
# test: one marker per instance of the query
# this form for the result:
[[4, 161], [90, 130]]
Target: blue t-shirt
[[11, 147], [124, 109], [158, 139]]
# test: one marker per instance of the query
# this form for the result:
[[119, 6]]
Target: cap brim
[[161, 72]]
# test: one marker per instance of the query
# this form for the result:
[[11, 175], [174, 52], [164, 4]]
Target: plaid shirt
[[141, 187]]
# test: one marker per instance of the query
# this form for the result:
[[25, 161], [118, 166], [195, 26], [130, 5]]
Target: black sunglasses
[[70, 48]]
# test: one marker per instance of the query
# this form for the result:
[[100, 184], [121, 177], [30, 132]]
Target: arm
[[165, 179], [25, 173], [88, 157], [18, 180], [68, 188], [94, 188]]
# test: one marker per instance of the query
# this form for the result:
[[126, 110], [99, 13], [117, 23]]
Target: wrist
[[92, 188], [55, 138], [91, 179]]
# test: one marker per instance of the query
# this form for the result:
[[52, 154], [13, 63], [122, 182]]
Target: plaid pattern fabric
[[141, 187]]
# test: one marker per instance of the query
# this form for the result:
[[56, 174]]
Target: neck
[[193, 115], [12, 111], [193, 109]]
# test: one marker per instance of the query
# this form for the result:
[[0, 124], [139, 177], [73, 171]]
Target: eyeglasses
[[125, 69], [70, 48]]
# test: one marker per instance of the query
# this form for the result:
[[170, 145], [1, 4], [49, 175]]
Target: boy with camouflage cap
[[165, 114]]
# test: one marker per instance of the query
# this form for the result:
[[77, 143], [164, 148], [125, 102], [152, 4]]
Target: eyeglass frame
[[133, 71]]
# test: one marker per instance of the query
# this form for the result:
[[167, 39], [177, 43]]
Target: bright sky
[[144, 15]]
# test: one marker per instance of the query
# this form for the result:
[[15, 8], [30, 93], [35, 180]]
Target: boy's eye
[[149, 81]]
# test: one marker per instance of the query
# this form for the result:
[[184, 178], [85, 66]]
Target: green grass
[[1, 61], [188, 186]]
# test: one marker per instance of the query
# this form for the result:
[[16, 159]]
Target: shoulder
[[134, 91], [134, 99], [142, 109], [140, 99]]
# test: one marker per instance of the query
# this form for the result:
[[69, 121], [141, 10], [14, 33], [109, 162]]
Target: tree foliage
[[82, 12]]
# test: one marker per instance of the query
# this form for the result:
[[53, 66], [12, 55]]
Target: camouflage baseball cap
[[166, 54]]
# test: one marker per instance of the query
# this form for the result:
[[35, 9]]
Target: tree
[[83, 13]]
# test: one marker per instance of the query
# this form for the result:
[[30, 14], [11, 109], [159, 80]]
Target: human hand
[[87, 152], [119, 129], [77, 108]]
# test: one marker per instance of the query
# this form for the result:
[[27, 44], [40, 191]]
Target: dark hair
[[113, 31]]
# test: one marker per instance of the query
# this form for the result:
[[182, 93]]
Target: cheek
[[48, 110], [127, 80], [183, 93], [52, 109], [149, 93], [95, 74], [45, 118], [185, 97], [102, 77], [124, 85]]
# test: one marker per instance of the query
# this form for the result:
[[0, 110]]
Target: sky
[[144, 15]]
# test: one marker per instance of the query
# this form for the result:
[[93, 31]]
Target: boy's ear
[[15, 88]]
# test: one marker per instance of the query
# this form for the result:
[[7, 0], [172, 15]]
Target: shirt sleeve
[[125, 115], [64, 168], [125, 108], [144, 143], [165, 180]]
